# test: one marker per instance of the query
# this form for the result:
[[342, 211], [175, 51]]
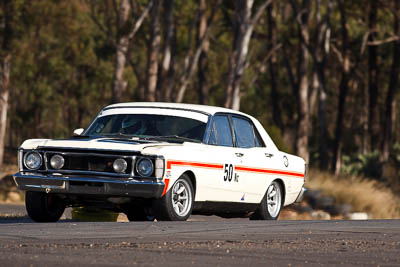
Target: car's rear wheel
[[270, 206], [43, 207], [177, 203]]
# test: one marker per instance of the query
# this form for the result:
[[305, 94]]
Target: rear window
[[244, 133]]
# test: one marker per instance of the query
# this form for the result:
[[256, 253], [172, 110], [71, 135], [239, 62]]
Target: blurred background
[[322, 76]]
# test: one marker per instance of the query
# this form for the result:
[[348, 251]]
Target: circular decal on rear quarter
[[285, 161]]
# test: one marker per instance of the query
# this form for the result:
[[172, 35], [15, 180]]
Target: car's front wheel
[[270, 206], [177, 203], [43, 207]]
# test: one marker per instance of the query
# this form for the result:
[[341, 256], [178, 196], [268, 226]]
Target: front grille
[[89, 162]]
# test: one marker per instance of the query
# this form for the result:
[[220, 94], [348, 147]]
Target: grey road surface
[[200, 243]]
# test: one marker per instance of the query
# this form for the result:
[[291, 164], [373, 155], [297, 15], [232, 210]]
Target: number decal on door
[[228, 172]]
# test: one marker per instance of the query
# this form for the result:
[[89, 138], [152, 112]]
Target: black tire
[[43, 207], [262, 212], [163, 208]]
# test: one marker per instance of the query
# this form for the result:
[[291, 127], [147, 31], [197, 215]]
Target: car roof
[[207, 110], [189, 107]]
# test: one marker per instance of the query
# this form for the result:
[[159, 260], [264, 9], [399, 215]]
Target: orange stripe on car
[[171, 163], [193, 164], [166, 181], [269, 171]]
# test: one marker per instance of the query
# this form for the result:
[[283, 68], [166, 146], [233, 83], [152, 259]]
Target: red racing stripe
[[269, 171], [193, 164], [166, 186], [170, 163]]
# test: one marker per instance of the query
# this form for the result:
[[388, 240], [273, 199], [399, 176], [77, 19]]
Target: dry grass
[[363, 194], [8, 189], [9, 169]]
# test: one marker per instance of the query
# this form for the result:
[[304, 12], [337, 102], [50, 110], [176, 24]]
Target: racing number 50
[[228, 172]]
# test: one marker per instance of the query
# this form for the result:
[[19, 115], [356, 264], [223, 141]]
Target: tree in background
[[202, 64], [243, 24], [344, 59], [167, 68], [6, 29], [393, 86], [124, 36], [301, 85], [153, 52], [373, 77]]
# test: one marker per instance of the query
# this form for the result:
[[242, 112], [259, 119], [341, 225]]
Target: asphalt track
[[203, 241]]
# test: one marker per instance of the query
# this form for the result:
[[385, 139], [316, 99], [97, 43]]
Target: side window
[[213, 136], [243, 132], [221, 132], [259, 141]]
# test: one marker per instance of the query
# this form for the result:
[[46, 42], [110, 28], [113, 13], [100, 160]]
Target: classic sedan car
[[164, 161]]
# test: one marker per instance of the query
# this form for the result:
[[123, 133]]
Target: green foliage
[[367, 165], [276, 135], [396, 152]]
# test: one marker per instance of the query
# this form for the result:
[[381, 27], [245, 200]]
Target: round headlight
[[120, 165], [57, 162], [144, 167], [33, 160]]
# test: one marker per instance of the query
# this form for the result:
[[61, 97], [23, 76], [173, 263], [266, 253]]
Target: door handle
[[239, 155], [269, 155]]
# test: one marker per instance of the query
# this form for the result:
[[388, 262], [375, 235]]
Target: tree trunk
[[273, 67], [202, 64], [193, 61], [243, 28], [343, 89], [121, 49], [165, 80], [321, 51], [5, 70], [373, 114], [125, 34], [153, 52], [4, 93], [303, 123], [242, 31], [393, 87]]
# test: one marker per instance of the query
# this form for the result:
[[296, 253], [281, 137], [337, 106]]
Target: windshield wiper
[[171, 137], [167, 138], [118, 135]]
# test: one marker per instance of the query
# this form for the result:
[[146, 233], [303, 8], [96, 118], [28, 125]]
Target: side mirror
[[78, 131]]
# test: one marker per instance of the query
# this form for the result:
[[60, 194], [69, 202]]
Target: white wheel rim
[[181, 198], [274, 199]]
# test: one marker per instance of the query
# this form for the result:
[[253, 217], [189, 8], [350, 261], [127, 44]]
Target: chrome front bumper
[[88, 185], [301, 195]]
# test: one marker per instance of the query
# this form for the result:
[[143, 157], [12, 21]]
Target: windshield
[[145, 125]]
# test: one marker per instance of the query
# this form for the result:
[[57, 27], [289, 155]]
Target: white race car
[[164, 161]]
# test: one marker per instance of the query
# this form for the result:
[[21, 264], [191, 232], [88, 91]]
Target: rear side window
[[244, 133], [221, 132]]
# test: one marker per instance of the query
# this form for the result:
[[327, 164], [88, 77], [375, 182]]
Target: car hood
[[97, 143]]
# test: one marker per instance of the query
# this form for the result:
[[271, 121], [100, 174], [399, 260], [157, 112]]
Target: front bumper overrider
[[105, 186]]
